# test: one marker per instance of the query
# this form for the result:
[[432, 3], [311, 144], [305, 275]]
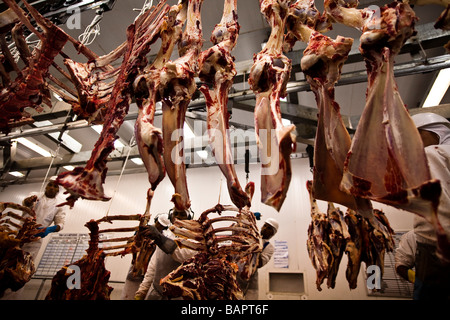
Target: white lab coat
[[438, 157], [405, 254], [251, 288], [161, 264], [46, 214]]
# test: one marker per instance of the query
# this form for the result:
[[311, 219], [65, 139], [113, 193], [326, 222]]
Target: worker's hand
[[29, 201], [165, 244], [411, 276], [46, 231], [138, 297], [150, 232]]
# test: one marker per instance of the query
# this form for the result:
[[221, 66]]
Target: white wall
[[204, 188]]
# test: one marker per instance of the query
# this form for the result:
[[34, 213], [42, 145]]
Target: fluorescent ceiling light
[[187, 132], [57, 96], [286, 122], [16, 174], [98, 128], [137, 161], [203, 154], [118, 144], [67, 140], [33, 146], [438, 90]]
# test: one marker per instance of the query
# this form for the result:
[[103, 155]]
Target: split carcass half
[[322, 62], [146, 91], [386, 138], [88, 182], [16, 229], [211, 274], [217, 71], [268, 79], [177, 85], [29, 89]]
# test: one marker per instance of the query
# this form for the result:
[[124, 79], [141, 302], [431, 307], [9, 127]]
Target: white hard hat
[[273, 223], [435, 123], [426, 118], [163, 219]]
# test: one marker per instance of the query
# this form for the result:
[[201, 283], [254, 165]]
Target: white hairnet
[[434, 123], [163, 219]]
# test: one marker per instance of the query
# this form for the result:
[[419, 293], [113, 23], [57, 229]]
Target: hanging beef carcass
[[268, 79], [147, 88], [217, 71], [16, 229], [88, 182], [213, 272], [29, 88], [386, 138], [177, 85], [93, 275]]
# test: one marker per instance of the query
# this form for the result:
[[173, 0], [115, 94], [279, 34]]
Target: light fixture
[[203, 154], [438, 90], [67, 140], [33, 146], [69, 168], [187, 132], [16, 174], [286, 122], [137, 161], [98, 128]]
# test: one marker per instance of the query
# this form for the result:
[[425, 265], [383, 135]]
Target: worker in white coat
[[167, 257], [49, 216], [405, 256], [133, 281], [432, 278], [250, 288]]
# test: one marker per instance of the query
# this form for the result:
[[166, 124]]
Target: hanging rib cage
[[232, 232]]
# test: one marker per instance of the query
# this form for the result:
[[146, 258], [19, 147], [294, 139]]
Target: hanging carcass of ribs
[[16, 266], [217, 71], [386, 139], [147, 93], [29, 88], [88, 182], [177, 85], [93, 275], [268, 79], [211, 274]]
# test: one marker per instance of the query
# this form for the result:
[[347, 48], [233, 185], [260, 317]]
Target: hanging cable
[[131, 144], [147, 5], [55, 154], [92, 30]]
